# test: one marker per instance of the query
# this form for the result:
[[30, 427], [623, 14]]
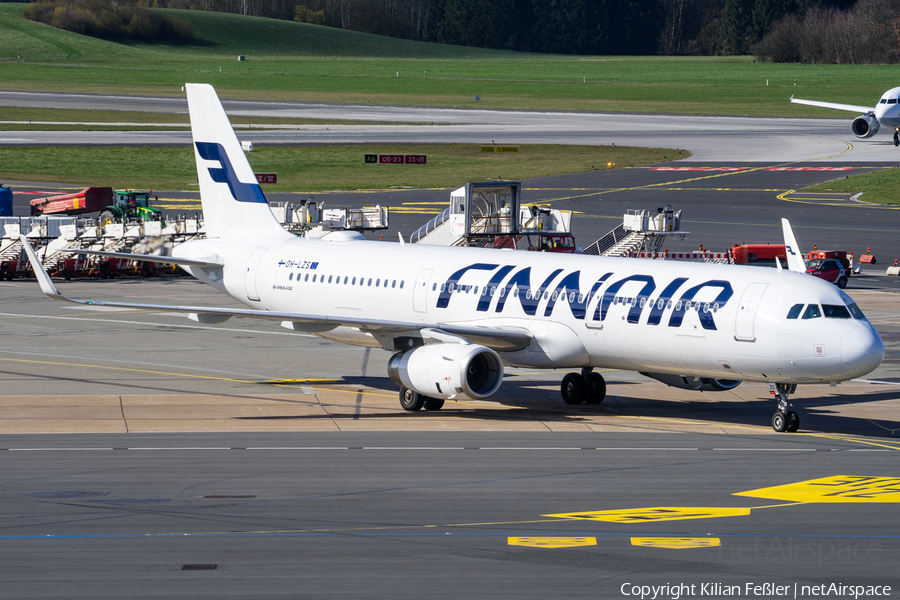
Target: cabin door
[[746, 313], [420, 292], [250, 273]]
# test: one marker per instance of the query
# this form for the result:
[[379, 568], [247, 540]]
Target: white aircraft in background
[[454, 316], [886, 113]]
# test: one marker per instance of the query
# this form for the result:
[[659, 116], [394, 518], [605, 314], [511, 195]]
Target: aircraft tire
[[573, 388], [433, 404], [411, 400], [842, 282], [793, 422], [596, 389], [780, 422]]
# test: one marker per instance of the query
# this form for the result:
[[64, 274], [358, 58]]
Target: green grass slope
[[218, 34]]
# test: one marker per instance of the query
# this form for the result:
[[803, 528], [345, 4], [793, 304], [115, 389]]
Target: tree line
[[110, 20], [815, 31]]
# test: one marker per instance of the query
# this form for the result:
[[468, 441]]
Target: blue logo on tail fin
[[242, 192]]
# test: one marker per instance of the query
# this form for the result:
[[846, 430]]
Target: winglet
[[43, 279], [794, 260]]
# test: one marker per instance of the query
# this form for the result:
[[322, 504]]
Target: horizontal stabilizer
[[167, 260]]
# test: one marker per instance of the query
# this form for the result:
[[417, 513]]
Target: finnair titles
[[453, 317]]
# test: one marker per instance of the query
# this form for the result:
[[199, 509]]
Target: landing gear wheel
[[596, 388], [780, 422], [411, 400], [842, 282], [793, 422], [573, 388], [433, 404]]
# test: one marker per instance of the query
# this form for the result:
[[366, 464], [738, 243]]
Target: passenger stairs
[[618, 242]]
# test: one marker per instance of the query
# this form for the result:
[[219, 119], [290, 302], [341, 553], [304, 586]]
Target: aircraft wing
[[502, 339], [834, 106]]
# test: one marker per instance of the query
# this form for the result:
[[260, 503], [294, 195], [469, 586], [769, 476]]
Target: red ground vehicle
[[757, 254], [554, 242], [91, 199], [840, 256], [829, 269]]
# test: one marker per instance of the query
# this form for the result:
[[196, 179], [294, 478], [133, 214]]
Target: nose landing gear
[[784, 419]]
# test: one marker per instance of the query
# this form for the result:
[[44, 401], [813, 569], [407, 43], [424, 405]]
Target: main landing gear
[[587, 387], [784, 419], [413, 401]]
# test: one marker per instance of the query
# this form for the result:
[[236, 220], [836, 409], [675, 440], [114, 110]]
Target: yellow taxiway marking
[[552, 542], [674, 543], [840, 488], [826, 202], [655, 514]]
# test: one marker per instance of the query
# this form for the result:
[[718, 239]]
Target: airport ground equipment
[[61, 243], [489, 214], [88, 200], [641, 232], [131, 205], [310, 218], [6, 198]]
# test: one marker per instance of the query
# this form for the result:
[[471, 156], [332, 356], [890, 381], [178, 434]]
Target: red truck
[[91, 199], [757, 254]]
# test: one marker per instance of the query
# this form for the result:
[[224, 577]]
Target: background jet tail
[[233, 203], [792, 250]]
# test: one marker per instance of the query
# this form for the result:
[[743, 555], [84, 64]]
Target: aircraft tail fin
[[792, 250], [233, 203]]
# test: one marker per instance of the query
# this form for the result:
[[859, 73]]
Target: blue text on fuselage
[[504, 286]]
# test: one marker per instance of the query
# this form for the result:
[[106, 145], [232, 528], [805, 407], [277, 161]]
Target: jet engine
[[702, 384], [865, 126], [447, 371]]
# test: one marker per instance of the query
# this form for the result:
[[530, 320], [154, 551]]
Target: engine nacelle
[[864, 126], [701, 384], [447, 371]]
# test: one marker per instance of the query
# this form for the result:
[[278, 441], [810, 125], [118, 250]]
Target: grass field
[[880, 187], [305, 62], [314, 168]]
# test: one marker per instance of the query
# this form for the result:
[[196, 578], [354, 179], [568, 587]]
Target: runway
[[148, 456], [709, 138]]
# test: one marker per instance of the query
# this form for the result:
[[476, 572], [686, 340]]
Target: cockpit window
[[812, 312], [884, 101], [854, 310], [835, 311], [892, 101], [795, 311]]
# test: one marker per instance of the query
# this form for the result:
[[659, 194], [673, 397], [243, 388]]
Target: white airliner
[[886, 113], [453, 317]]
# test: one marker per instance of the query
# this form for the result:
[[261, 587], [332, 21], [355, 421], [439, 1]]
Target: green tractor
[[131, 205]]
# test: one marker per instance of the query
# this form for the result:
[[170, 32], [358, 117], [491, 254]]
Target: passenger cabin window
[[854, 310], [795, 311], [812, 312], [835, 311]]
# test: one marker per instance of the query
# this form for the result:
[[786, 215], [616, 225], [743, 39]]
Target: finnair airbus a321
[[886, 113], [453, 317]]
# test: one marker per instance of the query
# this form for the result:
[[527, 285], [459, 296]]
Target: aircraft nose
[[862, 350]]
